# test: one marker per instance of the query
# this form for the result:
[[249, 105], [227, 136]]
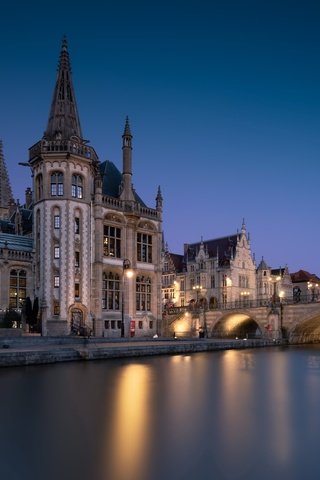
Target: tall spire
[[127, 193], [5, 187], [63, 118]]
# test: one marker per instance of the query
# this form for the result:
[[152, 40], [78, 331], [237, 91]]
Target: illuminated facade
[[90, 229], [221, 273]]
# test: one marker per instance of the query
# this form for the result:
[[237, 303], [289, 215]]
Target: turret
[[127, 191]]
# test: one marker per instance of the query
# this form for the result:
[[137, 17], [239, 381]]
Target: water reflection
[[128, 425], [223, 415]]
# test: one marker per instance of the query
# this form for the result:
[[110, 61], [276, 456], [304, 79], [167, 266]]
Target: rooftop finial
[[127, 130]]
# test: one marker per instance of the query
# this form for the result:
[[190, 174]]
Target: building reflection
[[128, 422]]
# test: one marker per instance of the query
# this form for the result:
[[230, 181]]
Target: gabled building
[[306, 286]]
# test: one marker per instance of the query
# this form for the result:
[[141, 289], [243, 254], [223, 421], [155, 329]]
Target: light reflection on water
[[251, 414]]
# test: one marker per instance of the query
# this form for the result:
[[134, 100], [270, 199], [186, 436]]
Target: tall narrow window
[[111, 241], [76, 187], [77, 225], [143, 293], [77, 259], [18, 288], [57, 251], [111, 291], [56, 221], [56, 281], [56, 184], [144, 247], [39, 186], [77, 290]]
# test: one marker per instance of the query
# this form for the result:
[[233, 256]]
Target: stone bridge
[[296, 322]]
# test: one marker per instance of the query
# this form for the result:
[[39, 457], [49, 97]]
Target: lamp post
[[198, 289], [126, 272], [312, 287]]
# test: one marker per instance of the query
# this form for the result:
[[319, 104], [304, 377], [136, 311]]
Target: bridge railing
[[240, 304]]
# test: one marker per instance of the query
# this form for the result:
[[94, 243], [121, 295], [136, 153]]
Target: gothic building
[[94, 259], [221, 273]]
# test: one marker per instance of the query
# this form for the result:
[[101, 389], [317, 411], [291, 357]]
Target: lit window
[[18, 288], [56, 221], [56, 281], [111, 241], [143, 293], [56, 184], [110, 291], [76, 187], [144, 247], [56, 252]]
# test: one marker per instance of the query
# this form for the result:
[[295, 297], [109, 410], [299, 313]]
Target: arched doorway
[[77, 321]]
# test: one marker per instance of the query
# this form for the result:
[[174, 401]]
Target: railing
[[15, 254], [242, 304], [68, 146], [130, 207]]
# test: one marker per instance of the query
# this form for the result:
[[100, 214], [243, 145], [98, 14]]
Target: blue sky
[[223, 99]]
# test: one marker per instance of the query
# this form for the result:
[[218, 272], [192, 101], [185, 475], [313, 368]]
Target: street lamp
[[198, 289], [126, 272]]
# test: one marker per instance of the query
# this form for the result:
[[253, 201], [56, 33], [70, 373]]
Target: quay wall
[[44, 350]]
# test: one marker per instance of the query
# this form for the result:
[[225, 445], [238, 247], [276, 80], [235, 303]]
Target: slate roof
[[6, 226], [178, 261], [304, 276], [111, 181], [16, 242], [262, 265], [225, 247]]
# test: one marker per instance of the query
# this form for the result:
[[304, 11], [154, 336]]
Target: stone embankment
[[41, 350]]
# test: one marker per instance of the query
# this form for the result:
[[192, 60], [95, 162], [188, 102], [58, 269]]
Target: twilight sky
[[223, 99]]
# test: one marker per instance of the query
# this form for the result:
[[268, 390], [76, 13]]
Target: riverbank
[[43, 350]]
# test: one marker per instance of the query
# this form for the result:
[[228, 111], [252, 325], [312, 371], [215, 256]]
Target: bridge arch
[[236, 325], [306, 330]]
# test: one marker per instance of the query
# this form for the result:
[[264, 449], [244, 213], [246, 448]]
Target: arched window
[[39, 187], [18, 288], [111, 291], [56, 184], [76, 187], [143, 293]]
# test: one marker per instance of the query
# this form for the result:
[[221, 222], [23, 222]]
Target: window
[[140, 325], [56, 221], [213, 281], [113, 324], [77, 225], [76, 187], [144, 247], [18, 288], [56, 184], [77, 290], [143, 293], [224, 280], [107, 324], [39, 186], [111, 241], [150, 324], [119, 324], [56, 308], [56, 252], [111, 291], [56, 282], [182, 285], [77, 259]]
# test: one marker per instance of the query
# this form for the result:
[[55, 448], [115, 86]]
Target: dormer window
[[76, 187]]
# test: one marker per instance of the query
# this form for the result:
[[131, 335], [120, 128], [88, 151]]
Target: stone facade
[[90, 229]]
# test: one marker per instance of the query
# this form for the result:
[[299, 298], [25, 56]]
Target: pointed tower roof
[[262, 265], [5, 187], [63, 118], [127, 131]]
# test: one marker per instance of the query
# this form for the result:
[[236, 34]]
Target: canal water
[[250, 414]]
